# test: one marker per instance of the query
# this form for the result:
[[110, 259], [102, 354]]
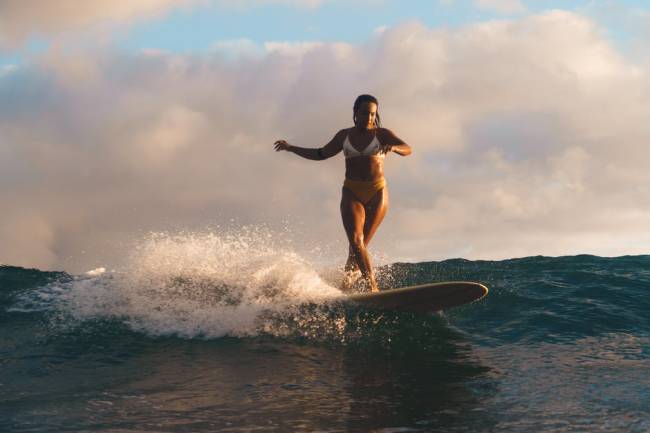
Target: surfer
[[364, 200]]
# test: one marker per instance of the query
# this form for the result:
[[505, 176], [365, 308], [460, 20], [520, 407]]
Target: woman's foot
[[367, 284], [373, 284]]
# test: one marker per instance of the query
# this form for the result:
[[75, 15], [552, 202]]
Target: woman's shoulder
[[339, 137], [386, 135], [343, 133]]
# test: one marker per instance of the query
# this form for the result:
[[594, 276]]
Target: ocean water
[[237, 334]]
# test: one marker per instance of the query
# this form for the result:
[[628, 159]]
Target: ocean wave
[[211, 285]]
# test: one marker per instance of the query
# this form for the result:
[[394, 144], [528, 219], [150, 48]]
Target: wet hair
[[362, 99]]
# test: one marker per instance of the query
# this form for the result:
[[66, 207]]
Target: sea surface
[[221, 334]]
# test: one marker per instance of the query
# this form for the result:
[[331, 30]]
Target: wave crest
[[199, 285]]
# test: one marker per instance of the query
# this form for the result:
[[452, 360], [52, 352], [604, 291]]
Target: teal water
[[559, 345]]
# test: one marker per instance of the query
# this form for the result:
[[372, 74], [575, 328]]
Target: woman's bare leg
[[353, 214], [375, 212], [361, 222], [351, 272], [351, 263]]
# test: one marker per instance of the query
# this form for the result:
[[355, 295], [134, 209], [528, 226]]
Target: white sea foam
[[201, 285], [96, 272]]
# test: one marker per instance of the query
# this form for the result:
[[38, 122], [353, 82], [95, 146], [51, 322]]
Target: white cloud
[[7, 69], [529, 137], [501, 6], [235, 48], [291, 48], [379, 30]]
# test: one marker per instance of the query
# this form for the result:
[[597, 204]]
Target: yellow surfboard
[[423, 298]]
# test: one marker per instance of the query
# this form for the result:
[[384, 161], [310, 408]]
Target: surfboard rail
[[430, 297]]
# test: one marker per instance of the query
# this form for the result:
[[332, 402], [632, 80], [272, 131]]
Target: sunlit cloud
[[529, 137], [20, 20]]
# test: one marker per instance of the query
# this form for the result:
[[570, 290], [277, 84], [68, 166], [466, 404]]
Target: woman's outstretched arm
[[317, 154]]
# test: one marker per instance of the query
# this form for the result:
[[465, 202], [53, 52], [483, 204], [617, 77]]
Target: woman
[[365, 198]]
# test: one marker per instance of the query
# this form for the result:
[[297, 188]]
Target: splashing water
[[198, 285]]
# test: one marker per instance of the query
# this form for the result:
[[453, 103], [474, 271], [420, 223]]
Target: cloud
[[234, 48], [21, 19], [529, 137], [501, 6]]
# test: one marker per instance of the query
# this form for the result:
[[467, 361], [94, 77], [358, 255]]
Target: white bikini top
[[373, 149]]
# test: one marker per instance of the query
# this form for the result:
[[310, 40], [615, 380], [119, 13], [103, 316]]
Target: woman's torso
[[358, 165]]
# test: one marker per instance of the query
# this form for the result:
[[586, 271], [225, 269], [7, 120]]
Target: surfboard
[[423, 298]]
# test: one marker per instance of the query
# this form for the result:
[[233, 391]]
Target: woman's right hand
[[281, 145]]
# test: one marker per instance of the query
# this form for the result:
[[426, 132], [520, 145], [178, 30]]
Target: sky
[[527, 119]]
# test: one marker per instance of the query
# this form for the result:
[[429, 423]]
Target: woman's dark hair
[[362, 99]]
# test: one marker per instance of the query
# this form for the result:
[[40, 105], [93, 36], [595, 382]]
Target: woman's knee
[[357, 241]]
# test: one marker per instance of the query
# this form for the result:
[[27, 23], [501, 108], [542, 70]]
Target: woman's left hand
[[387, 148]]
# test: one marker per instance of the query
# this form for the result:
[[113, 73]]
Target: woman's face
[[365, 115]]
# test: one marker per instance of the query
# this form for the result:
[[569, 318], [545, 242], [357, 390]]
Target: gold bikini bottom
[[364, 190]]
